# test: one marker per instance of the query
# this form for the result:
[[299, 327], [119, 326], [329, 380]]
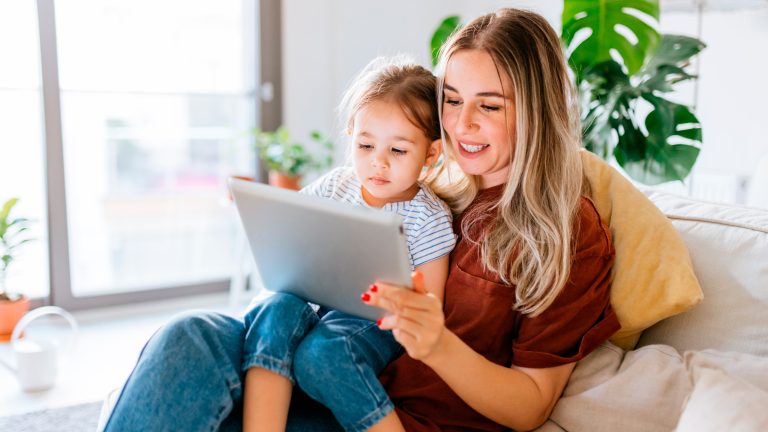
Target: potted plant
[[623, 69], [288, 160], [13, 234]]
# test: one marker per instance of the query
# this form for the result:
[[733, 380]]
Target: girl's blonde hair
[[530, 243], [398, 80]]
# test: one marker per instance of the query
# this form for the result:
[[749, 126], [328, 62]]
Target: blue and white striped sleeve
[[323, 186], [433, 239]]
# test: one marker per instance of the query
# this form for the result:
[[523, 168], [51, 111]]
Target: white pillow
[[722, 402]]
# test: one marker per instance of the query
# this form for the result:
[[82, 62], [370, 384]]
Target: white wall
[[327, 42]]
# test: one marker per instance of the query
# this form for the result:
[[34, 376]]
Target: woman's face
[[479, 116]]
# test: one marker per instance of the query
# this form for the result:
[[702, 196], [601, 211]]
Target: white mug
[[37, 362]]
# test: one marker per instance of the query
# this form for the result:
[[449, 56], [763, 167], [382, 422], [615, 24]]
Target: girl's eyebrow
[[396, 137], [481, 94]]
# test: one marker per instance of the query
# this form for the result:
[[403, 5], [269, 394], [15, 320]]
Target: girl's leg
[[274, 329], [188, 377], [338, 364]]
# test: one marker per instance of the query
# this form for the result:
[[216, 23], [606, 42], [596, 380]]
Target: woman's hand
[[415, 316]]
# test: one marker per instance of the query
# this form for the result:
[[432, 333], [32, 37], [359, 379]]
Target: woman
[[528, 290]]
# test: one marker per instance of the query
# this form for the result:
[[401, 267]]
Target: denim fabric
[[348, 352], [274, 329], [189, 377]]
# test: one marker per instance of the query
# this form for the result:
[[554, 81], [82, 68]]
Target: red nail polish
[[378, 322], [374, 288], [365, 297]]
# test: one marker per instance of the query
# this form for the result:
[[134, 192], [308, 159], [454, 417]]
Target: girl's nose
[[379, 161]]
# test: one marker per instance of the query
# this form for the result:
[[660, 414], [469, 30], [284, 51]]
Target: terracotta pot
[[10, 314], [281, 180]]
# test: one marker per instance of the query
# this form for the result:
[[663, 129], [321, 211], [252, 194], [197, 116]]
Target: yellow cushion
[[653, 276]]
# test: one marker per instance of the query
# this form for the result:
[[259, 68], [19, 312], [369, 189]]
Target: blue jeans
[[334, 358], [190, 374]]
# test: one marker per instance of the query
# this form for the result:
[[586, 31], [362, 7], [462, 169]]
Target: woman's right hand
[[414, 316]]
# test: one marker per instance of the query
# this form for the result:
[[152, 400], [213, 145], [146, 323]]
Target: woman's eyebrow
[[481, 94]]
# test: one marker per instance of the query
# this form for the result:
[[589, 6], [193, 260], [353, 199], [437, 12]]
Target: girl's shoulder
[[427, 201]]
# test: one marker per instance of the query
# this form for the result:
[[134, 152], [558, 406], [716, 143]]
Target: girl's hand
[[415, 316]]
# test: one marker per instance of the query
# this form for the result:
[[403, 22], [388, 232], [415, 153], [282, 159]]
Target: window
[[155, 100], [22, 153]]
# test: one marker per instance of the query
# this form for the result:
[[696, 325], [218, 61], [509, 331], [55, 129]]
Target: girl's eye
[[451, 101], [399, 152], [365, 147], [490, 107]]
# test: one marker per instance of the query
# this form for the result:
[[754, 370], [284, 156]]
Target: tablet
[[321, 250]]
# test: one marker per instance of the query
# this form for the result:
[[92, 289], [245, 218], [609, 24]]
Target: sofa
[[705, 369], [702, 369]]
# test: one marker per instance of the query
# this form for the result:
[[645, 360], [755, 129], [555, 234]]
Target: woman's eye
[[453, 102], [365, 147], [490, 107], [399, 152]]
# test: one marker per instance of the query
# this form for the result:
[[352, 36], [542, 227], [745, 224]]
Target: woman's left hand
[[415, 316]]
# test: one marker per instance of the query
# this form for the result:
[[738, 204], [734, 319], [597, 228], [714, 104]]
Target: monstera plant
[[624, 69]]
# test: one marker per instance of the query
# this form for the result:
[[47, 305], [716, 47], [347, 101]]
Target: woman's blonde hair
[[530, 243]]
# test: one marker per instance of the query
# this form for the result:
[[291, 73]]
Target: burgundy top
[[478, 309]]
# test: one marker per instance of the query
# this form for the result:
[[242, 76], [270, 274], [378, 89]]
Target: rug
[[75, 418]]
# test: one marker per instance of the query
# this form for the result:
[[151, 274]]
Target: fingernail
[[374, 288], [378, 322], [365, 297]]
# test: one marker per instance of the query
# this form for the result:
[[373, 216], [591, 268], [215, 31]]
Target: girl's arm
[[435, 274], [519, 398]]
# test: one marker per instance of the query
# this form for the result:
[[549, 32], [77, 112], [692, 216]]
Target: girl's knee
[[279, 305]]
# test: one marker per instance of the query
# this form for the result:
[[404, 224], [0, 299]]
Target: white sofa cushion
[[644, 390], [722, 402], [729, 249]]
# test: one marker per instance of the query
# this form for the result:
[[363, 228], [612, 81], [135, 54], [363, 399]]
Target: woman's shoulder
[[593, 238]]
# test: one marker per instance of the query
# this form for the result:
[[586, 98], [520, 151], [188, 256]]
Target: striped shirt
[[427, 221]]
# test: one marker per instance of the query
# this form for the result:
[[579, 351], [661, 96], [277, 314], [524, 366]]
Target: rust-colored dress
[[478, 309]]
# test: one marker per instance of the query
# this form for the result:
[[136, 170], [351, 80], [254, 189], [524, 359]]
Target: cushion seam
[[717, 222]]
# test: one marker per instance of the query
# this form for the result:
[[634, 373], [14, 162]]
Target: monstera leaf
[[609, 25], [658, 160], [441, 34]]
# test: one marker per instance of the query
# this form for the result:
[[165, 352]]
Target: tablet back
[[324, 251]]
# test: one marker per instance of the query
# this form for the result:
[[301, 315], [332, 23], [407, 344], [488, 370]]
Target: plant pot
[[284, 181], [11, 312]]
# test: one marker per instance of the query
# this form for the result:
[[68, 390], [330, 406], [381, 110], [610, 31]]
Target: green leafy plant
[[289, 157], [623, 68], [443, 31], [13, 234]]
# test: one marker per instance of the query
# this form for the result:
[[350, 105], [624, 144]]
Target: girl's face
[[389, 153], [479, 116]]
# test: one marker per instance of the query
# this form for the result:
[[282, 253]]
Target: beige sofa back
[[728, 246]]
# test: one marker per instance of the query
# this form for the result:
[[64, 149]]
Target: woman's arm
[[520, 398]]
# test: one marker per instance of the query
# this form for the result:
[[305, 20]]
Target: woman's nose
[[465, 121]]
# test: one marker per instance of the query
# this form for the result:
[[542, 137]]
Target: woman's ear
[[433, 152]]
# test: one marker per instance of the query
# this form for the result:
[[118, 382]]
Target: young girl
[[392, 121]]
